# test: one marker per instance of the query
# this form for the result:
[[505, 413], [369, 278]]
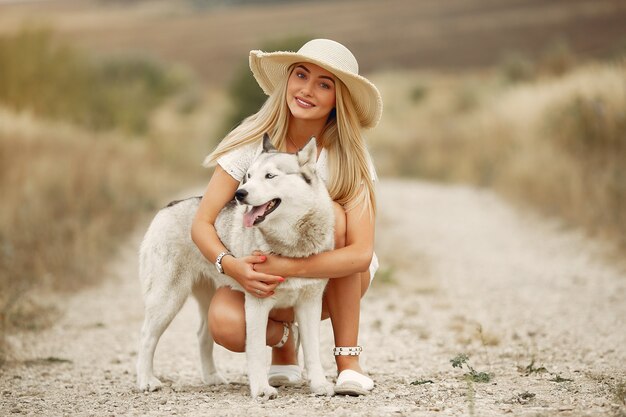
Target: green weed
[[521, 398], [531, 369], [472, 375], [558, 378], [422, 382]]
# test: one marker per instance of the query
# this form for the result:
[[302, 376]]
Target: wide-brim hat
[[271, 68]]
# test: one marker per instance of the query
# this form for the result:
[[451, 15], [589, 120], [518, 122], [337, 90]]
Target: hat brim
[[270, 68]]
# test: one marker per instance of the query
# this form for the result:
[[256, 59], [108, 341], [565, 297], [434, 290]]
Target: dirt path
[[469, 275]]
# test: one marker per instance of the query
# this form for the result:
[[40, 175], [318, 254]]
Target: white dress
[[237, 162]]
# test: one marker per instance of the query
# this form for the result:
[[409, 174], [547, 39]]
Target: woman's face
[[310, 92]]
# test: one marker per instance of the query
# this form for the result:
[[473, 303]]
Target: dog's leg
[[308, 312], [203, 293], [257, 312], [162, 305]]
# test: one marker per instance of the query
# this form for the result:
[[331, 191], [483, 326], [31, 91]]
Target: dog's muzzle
[[240, 195]]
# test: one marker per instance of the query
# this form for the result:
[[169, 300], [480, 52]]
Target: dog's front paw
[[323, 388], [214, 379], [264, 392], [149, 384]]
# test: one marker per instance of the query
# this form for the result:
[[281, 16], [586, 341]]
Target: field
[[427, 34], [108, 108]]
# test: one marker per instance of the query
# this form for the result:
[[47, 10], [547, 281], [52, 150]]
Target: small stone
[[16, 411]]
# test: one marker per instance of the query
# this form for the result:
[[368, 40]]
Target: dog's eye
[[269, 176]]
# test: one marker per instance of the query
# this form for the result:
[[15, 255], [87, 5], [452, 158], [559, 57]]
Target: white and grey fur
[[171, 267]]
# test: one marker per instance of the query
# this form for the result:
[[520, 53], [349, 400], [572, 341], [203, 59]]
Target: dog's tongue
[[254, 213]]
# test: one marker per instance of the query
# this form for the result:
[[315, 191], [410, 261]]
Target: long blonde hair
[[350, 177]]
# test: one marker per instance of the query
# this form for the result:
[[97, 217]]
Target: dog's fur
[[171, 267]]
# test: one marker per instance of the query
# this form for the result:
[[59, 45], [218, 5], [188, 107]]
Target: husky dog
[[281, 207]]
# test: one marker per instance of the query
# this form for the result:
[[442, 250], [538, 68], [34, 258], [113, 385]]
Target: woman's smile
[[304, 103]]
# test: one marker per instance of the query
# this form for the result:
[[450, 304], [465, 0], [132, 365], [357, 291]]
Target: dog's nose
[[240, 195]]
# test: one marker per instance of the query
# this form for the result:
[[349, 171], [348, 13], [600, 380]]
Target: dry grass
[[72, 191], [70, 196], [557, 143], [67, 201]]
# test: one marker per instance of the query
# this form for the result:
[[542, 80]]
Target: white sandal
[[351, 382], [286, 375]]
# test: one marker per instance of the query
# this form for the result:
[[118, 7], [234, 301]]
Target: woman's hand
[[245, 272], [274, 264]]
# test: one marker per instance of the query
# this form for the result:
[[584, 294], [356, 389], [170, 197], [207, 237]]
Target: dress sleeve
[[237, 161]]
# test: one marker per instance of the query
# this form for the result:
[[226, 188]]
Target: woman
[[314, 92]]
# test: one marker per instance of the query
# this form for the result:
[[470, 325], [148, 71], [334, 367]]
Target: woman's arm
[[220, 191], [354, 257]]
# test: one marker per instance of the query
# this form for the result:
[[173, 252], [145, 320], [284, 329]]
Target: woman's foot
[[285, 369], [351, 379], [353, 383]]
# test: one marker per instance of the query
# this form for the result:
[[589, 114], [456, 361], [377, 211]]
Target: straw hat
[[269, 68]]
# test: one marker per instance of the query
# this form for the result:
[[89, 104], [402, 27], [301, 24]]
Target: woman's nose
[[307, 88]]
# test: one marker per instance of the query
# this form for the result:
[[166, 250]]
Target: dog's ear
[[308, 154], [267, 144]]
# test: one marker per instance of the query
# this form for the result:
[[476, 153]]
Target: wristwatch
[[218, 261]]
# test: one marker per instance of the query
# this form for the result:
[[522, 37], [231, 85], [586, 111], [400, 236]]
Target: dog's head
[[277, 179]]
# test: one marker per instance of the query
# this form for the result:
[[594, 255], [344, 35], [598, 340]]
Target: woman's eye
[[325, 86], [300, 75], [269, 176]]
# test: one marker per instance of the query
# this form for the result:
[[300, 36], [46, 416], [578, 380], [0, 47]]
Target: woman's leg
[[227, 321], [287, 354], [341, 302]]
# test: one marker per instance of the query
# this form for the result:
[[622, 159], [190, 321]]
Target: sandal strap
[[285, 337], [347, 350]]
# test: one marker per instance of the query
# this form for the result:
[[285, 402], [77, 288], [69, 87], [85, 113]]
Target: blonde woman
[[314, 92]]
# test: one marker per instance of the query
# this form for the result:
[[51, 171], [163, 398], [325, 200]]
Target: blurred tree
[[52, 79], [246, 95]]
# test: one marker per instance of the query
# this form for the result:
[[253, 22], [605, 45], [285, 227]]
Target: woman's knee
[[227, 319], [340, 225]]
